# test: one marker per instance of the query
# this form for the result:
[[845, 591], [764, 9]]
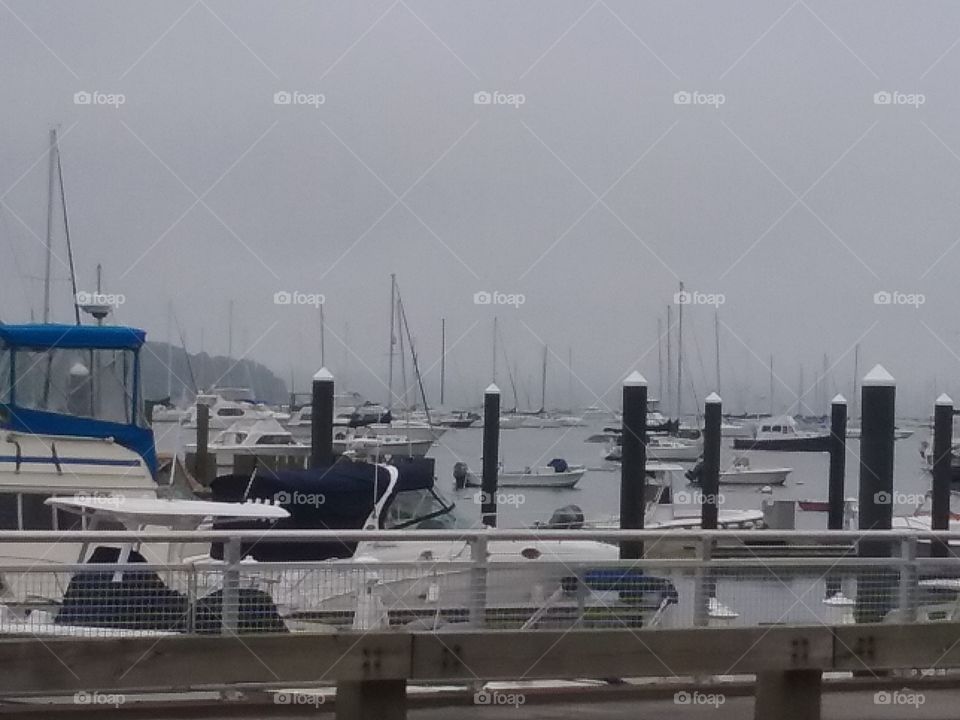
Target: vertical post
[[443, 357], [477, 602], [838, 461], [633, 462], [908, 580], [321, 420], [703, 587], [942, 460], [838, 469], [491, 455], [230, 598], [203, 444], [371, 700], [788, 695], [710, 481], [877, 403]]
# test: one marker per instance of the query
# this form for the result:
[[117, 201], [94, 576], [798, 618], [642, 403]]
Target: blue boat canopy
[[47, 336]]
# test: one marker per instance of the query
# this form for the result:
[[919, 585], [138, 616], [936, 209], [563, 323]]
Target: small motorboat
[[555, 474], [740, 473], [783, 434], [662, 448]]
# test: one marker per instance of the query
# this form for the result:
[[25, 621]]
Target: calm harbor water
[[598, 491]]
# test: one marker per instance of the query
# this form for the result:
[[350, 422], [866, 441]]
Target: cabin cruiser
[[369, 444], [264, 437], [224, 412], [783, 434], [555, 474], [415, 430]]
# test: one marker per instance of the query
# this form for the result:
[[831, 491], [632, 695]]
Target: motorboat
[[782, 434], [855, 432], [224, 412], [741, 473], [510, 421], [372, 445], [415, 430], [662, 448], [555, 474], [264, 437], [459, 420]]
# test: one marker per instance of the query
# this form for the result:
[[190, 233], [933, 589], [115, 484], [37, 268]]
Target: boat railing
[[434, 581]]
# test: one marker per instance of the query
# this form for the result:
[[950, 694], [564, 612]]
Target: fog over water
[[786, 161]]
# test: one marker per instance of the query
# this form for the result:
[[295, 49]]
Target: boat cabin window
[[275, 440], [98, 384], [230, 412], [27, 511], [5, 379], [777, 428], [423, 509], [764, 428]]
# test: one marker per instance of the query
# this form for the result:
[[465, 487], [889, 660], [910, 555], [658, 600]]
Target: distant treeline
[[207, 371]]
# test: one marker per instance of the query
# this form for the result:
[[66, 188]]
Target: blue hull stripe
[[69, 461]]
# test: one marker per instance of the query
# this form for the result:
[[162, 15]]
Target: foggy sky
[[798, 198]]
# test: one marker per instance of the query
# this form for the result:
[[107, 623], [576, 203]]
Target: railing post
[[478, 582], [230, 598], [703, 591], [908, 579]]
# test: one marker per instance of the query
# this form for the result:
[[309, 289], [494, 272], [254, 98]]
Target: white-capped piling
[[633, 461], [321, 419], [838, 462], [710, 479], [491, 455], [942, 470]]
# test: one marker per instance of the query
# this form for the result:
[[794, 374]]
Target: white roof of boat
[[665, 467], [160, 508]]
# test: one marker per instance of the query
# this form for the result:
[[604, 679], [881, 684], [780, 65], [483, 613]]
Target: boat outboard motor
[[460, 471], [559, 465], [569, 517], [694, 474]]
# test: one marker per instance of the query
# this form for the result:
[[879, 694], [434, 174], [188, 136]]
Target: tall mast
[[49, 254], [680, 357], [393, 315], [66, 233], [443, 356], [659, 360], [543, 383], [323, 339], [771, 385], [716, 338], [856, 377], [570, 378], [669, 404], [494, 365], [230, 329]]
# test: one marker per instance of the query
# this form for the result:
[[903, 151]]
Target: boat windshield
[[89, 383], [423, 509]]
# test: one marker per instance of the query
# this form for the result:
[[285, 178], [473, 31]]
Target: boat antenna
[[443, 356], [494, 366], [543, 383], [716, 341], [323, 333], [659, 359], [49, 254], [66, 232], [680, 356]]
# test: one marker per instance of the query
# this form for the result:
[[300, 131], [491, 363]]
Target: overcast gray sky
[[785, 184]]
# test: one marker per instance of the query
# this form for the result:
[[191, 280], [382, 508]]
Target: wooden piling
[[710, 480], [321, 420], [491, 455], [942, 470], [633, 461], [838, 462]]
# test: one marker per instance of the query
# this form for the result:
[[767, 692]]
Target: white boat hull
[[542, 478], [757, 476]]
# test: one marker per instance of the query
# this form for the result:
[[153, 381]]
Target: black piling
[[491, 455], [838, 462], [710, 480], [202, 462], [633, 462], [837, 478], [876, 589], [942, 456], [321, 420]]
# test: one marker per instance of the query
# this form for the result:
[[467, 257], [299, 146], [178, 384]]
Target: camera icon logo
[[482, 98], [282, 297], [282, 498], [282, 97], [882, 497], [82, 98], [682, 98], [482, 297], [882, 98], [681, 698], [482, 698], [882, 297], [683, 297]]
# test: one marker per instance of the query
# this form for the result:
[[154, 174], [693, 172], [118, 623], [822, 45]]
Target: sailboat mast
[[771, 385], [494, 365], [856, 377], [716, 339], [66, 234], [443, 356], [570, 379], [323, 338], [49, 254], [669, 404], [659, 359], [230, 330], [543, 383], [393, 315], [680, 356]]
